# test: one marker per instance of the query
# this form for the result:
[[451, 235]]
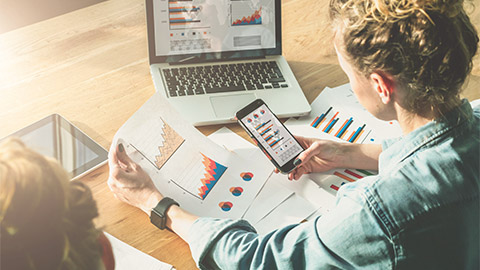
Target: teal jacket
[[420, 212]]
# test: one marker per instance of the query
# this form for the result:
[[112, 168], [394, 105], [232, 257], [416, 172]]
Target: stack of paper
[[336, 115], [203, 177], [128, 257], [209, 180], [279, 203]]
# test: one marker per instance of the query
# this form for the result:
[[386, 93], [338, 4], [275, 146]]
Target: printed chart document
[[277, 205], [203, 177], [128, 257], [338, 116], [351, 122]]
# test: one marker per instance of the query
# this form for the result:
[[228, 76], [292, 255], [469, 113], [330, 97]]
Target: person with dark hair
[[407, 61], [46, 220]]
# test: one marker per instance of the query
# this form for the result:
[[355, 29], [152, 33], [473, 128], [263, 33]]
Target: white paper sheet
[[351, 119], [322, 200], [337, 115], [271, 195], [291, 211], [128, 257], [203, 177], [273, 188]]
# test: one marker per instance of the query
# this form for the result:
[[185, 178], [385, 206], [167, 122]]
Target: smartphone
[[270, 135]]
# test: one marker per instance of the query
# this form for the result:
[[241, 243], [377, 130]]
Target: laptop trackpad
[[227, 106]]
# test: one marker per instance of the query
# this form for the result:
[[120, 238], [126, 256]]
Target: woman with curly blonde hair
[[407, 61], [46, 220]]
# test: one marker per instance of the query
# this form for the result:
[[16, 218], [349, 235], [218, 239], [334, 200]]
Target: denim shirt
[[420, 212]]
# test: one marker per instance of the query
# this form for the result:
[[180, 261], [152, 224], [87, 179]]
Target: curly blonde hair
[[46, 220], [426, 45]]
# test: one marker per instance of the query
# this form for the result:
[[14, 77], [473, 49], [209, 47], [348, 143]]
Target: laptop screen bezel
[[216, 56]]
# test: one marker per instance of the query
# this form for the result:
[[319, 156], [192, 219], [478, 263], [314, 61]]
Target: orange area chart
[[213, 172], [172, 142], [255, 18]]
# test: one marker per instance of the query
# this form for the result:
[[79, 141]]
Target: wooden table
[[91, 66]]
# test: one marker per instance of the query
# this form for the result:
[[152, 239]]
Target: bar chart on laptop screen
[[186, 14]]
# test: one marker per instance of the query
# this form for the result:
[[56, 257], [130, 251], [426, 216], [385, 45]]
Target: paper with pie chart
[[201, 176]]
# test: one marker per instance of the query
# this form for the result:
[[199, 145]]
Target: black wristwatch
[[158, 215]]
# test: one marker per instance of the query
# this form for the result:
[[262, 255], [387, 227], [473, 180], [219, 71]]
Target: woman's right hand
[[324, 155], [319, 156]]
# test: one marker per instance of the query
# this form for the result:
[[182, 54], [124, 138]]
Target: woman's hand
[[129, 182], [324, 155], [319, 156]]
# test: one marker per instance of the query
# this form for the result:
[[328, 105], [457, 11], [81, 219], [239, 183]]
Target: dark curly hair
[[46, 220], [426, 45]]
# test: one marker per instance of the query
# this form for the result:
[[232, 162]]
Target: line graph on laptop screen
[[202, 26]]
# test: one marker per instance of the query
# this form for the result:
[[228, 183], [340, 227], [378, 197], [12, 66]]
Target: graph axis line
[[366, 136], [182, 188], [145, 157]]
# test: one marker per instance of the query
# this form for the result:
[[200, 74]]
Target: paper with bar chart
[[331, 181], [204, 178], [337, 115]]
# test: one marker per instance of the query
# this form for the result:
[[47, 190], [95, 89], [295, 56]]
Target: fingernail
[[297, 162], [120, 147]]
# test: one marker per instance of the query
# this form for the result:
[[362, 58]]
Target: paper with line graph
[[204, 178], [169, 142]]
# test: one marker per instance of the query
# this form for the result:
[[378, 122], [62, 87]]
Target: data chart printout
[[203, 177], [207, 26], [272, 135], [336, 114]]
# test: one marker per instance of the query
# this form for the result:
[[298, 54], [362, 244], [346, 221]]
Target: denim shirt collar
[[398, 149]]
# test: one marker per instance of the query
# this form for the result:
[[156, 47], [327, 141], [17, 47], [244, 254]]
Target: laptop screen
[[199, 30]]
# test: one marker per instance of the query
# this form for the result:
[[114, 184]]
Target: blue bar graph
[[331, 125], [342, 131], [355, 135]]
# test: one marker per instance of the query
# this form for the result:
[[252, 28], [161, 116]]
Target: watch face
[[158, 216], [157, 219]]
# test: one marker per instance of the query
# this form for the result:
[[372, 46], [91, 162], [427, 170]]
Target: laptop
[[212, 58]]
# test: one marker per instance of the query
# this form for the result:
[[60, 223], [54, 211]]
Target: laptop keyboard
[[211, 79]]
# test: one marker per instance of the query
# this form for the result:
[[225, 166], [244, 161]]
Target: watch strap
[[158, 215]]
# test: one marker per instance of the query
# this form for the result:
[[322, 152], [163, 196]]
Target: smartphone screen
[[275, 139]]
